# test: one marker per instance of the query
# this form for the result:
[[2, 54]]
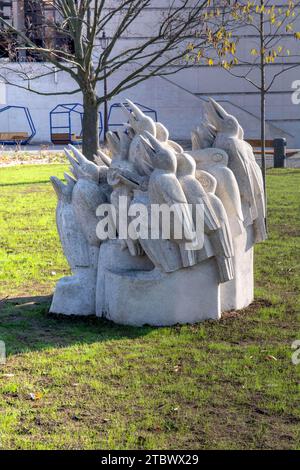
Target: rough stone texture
[[239, 293], [114, 257], [75, 295], [134, 297]]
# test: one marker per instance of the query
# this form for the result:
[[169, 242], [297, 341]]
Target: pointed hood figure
[[216, 224], [243, 164], [164, 188], [123, 178], [90, 190], [138, 120], [69, 233], [76, 223], [162, 134], [140, 124], [215, 162]]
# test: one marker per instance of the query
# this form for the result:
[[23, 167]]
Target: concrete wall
[[178, 98], [177, 102]]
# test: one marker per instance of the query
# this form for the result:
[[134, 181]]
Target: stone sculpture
[[163, 279]]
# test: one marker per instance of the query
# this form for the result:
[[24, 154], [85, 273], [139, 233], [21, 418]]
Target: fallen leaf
[[36, 396], [271, 358]]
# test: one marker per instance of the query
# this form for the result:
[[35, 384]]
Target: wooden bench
[[13, 136], [256, 144], [64, 138]]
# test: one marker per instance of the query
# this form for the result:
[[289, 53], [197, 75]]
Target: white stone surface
[[76, 223], [230, 137], [113, 257], [215, 161], [75, 295], [239, 293], [139, 297]]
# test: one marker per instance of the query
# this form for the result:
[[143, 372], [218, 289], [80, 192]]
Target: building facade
[[178, 98]]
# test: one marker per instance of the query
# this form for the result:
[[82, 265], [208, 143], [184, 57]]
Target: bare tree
[[83, 23], [274, 28]]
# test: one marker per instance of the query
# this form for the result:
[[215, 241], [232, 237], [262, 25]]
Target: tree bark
[[105, 121], [263, 135], [90, 125], [263, 102]]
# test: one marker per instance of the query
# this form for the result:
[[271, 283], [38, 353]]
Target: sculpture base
[[128, 290], [239, 293], [75, 295], [131, 296]]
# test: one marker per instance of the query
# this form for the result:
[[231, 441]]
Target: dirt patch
[[258, 303]]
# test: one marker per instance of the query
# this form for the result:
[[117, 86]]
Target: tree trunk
[[105, 121], [263, 102], [263, 147], [263, 136], [90, 125]]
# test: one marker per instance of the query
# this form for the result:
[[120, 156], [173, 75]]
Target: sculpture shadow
[[26, 325]]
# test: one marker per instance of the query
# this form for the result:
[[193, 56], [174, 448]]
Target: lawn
[[89, 384]]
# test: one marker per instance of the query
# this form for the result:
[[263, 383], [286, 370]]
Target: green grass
[[208, 386]]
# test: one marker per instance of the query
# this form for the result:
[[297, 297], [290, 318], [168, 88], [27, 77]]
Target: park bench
[[65, 138], [13, 137], [275, 148]]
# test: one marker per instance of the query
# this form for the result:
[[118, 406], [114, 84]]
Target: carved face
[[139, 121], [224, 122], [122, 171], [162, 157], [81, 167]]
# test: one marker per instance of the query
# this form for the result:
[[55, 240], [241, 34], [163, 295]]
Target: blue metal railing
[[30, 123], [67, 109]]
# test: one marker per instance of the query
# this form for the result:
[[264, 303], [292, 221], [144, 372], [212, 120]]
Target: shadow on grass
[[26, 325], [24, 183]]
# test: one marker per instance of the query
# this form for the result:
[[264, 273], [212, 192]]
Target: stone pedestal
[[142, 295], [239, 293], [75, 295], [113, 258]]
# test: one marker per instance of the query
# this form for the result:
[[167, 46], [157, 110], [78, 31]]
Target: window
[[42, 24]]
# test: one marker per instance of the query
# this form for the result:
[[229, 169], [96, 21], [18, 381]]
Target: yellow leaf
[[36, 396], [271, 358]]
